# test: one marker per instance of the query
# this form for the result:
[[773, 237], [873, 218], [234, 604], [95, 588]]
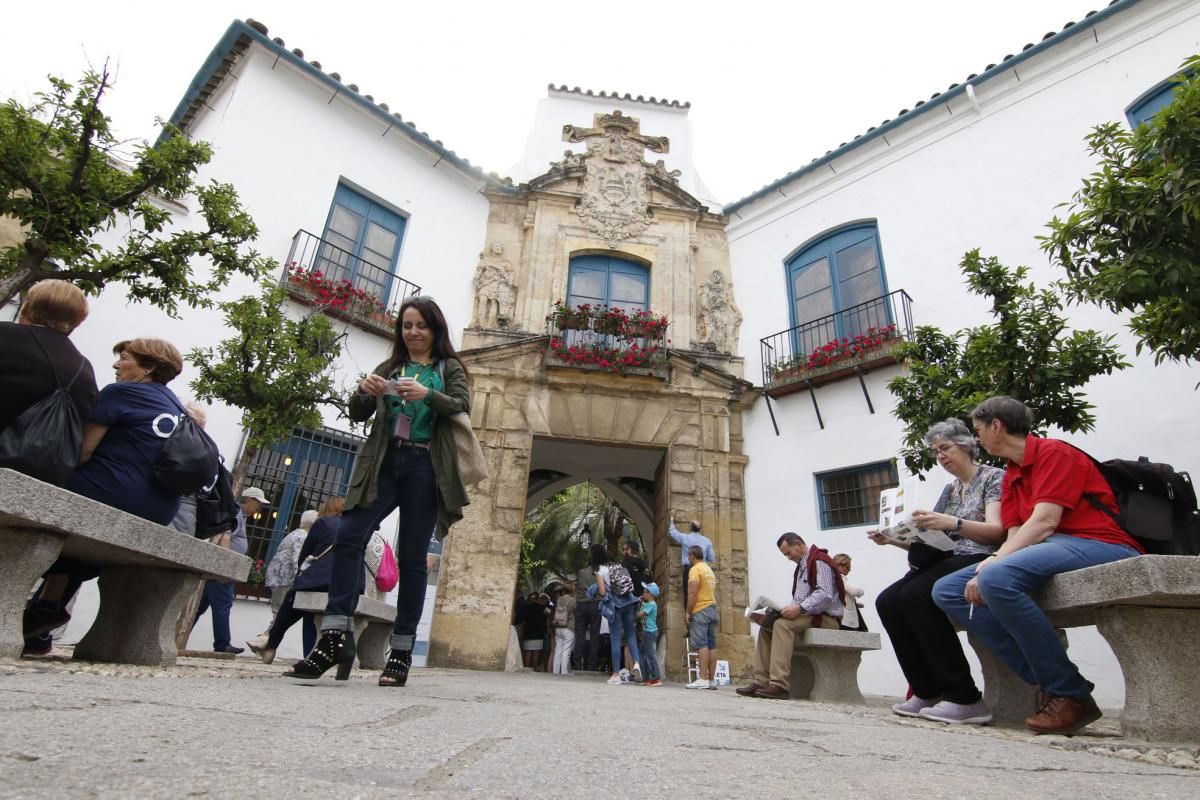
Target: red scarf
[[809, 566]]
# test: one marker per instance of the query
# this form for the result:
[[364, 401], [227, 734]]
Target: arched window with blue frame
[[601, 280], [361, 243], [1150, 103], [837, 287]]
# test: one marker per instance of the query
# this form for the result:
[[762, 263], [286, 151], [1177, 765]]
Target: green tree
[[1027, 353], [552, 536], [61, 180], [1131, 241], [278, 370]]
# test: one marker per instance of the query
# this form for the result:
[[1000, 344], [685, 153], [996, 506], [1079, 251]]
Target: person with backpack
[[563, 623], [817, 592], [1052, 528], [614, 585], [124, 433]]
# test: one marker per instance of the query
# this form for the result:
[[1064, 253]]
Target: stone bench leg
[[372, 639], [139, 608], [1011, 699], [26, 555], [1157, 650], [826, 675]]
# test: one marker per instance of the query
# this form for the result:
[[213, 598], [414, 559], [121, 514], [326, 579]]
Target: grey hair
[[953, 430], [308, 518]]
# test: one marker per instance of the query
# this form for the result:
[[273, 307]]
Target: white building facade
[[982, 165]]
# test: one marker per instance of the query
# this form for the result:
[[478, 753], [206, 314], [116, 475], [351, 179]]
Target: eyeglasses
[[944, 449]]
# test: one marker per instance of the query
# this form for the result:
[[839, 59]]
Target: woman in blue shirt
[[122, 437]]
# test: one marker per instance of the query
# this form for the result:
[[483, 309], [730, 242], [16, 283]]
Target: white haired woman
[[923, 637], [281, 571]]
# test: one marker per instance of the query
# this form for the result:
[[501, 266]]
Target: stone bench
[[1148, 610], [373, 620], [148, 572], [825, 665]]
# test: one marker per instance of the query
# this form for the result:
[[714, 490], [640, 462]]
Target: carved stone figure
[[720, 319], [495, 290], [615, 202]]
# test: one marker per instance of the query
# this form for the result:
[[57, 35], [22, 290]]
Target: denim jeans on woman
[[623, 625], [1011, 624], [406, 481]]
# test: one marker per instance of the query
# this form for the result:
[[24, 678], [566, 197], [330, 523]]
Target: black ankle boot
[[334, 647], [395, 672]]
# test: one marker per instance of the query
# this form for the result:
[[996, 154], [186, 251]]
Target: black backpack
[[45, 440], [188, 459], [1157, 505], [217, 507]]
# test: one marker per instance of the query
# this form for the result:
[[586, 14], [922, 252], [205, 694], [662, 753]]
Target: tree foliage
[[1131, 241], [1027, 353], [62, 180], [278, 370], [552, 538]]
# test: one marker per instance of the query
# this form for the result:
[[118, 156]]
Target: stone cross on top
[[615, 137]]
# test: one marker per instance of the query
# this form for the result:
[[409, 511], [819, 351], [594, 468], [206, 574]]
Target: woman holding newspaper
[[928, 649]]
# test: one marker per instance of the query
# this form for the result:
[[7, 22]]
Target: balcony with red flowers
[[604, 339]]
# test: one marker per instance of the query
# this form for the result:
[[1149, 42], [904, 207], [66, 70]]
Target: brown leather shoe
[[773, 692], [1063, 715], [748, 690]]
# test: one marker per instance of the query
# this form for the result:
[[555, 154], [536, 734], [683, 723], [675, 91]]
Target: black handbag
[[45, 440], [217, 508], [189, 460]]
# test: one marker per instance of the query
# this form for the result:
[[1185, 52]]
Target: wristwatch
[[958, 524]]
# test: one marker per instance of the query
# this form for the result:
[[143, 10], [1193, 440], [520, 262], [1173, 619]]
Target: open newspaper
[[765, 606], [895, 517]]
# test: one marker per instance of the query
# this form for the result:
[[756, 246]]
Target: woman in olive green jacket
[[409, 462]]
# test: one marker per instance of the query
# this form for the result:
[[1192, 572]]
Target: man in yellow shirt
[[702, 616]]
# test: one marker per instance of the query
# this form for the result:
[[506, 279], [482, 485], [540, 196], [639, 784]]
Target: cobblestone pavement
[[235, 728]]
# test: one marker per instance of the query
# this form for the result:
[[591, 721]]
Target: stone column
[[26, 554]]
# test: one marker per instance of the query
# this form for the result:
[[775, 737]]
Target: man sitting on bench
[[1052, 527], [816, 603]]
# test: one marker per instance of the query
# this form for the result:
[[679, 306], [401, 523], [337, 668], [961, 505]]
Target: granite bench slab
[[373, 621], [1148, 610], [825, 665], [148, 571]]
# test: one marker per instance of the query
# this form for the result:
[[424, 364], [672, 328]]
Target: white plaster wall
[[284, 146], [944, 184], [546, 146]]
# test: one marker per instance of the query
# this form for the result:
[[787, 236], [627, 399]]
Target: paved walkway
[[209, 728]]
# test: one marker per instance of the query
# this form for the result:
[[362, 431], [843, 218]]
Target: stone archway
[[685, 428]]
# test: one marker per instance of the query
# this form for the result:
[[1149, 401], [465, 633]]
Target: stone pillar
[[1157, 649], [26, 554], [139, 609]]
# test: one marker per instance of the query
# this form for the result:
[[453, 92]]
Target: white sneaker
[[712, 685], [958, 714], [615, 680], [699, 683], [637, 673], [912, 706]]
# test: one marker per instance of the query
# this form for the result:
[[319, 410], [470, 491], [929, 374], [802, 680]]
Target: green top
[[421, 412]]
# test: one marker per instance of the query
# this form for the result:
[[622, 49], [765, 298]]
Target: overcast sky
[[772, 85]]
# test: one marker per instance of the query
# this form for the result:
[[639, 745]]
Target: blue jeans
[[1011, 624], [650, 656], [406, 481], [219, 596], [623, 625]]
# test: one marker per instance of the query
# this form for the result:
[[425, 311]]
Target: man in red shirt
[[1052, 528]]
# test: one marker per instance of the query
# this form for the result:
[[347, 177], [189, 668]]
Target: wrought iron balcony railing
[[853, 340], [344, 285], [607, 340]]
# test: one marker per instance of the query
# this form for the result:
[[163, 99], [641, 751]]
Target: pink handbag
[[388, 575]]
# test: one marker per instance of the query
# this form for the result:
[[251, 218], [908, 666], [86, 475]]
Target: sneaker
[[654, 682], [712, 685], [957, 713], [257, 643], [637, 673], [699, 683], [912, 706], [1063, 715], [37, 645], [615, 680]]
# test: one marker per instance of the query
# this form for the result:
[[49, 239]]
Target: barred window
[[851, 496]]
